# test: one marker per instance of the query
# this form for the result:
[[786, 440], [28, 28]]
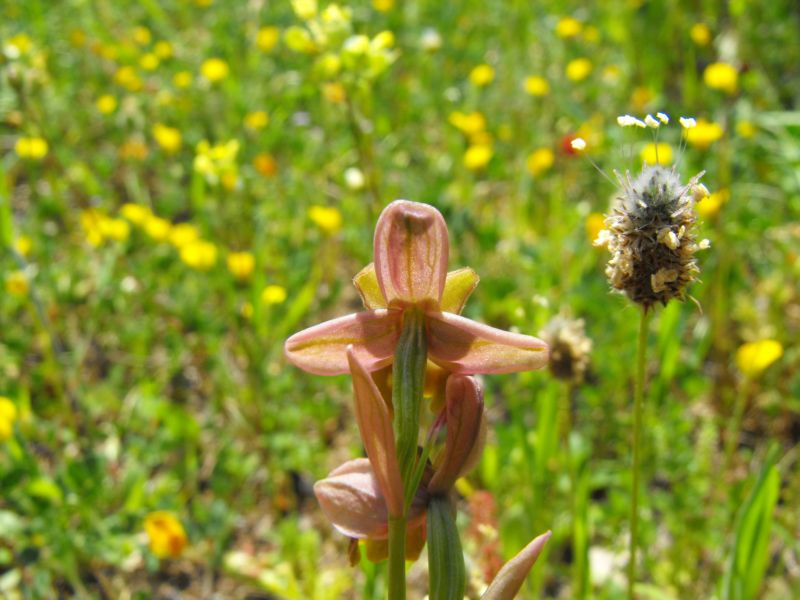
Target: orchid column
[[410, 296]]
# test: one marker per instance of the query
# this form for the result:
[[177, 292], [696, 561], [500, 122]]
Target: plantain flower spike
[[569, 348], [409, 273], [649, 234]]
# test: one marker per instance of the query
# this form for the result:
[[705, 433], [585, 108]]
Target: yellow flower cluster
[[31, 148], [267, 38], [241, 265], [214, 70], [578, 69], [217, 163], [327, 218], [8, 415], [329, 35], [482, 75], [540, 160], [537, 86], [165, 533], [473, 126], [703, 134], [721, 76], [168, 138], [99, 227], [753, 358], [16, 283], [657, 153]]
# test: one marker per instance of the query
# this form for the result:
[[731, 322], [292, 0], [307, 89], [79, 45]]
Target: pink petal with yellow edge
[[351, 499], [322, 349], [464, 413], [411, 248], [457, 288], [510, 578], [464, 346], [377, 435], [366, 282]]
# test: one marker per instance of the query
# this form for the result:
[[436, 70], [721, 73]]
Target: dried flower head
[[569, 348], [649, 234]]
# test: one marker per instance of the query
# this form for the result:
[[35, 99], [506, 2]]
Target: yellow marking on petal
[[457, 289], [366, 282]]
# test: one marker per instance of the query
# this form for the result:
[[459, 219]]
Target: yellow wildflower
[[265, 164], [305, 9], [90, 222], [700, 34], [128, 78], [578, 69], [246, 310], [710, 205], [273, 294], [200, 255], [745, 129], [721, 76], [17, 283], [540, 160], [258, 119], [568, 27], [182, 234], [166, 534], [167, 137], [135, 213], [141, 35], [753, 358], [157, 228], [217, 163], [32, 148], [470, 124], [8, 414], [327, 218], [106, 104], [703, 134], [660, 153], [115, 229], [299, 40], [267, 38], [334, 93], [478, 156], [17, 45], [537, 86], [241, 264], [149, 62], [482, 75], [133, 149], [23, 245], [214, 69], [182, 79], [595, 223], [162, 49], [383, 5]]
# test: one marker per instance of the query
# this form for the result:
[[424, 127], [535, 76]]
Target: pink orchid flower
[[411, 249], [361, 495]]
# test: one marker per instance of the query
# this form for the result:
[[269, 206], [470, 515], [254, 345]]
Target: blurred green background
[[184, 184]]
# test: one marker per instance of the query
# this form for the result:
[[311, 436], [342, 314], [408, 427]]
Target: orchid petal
[[322, 349], [464, 346], [378, 550], [510, 578], [457, 288], [377, 435], [464, 412], [411, 248], [366, 282], [351, 499]]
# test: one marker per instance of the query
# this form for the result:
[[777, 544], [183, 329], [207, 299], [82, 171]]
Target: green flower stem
[[408, 380], [637, 434], [448, 575], [397, 558]]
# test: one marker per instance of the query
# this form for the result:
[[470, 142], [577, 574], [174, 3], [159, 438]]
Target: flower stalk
[[638, 403]]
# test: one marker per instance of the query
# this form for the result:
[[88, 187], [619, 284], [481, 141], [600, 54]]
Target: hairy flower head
[[569, 348], [649, 234]]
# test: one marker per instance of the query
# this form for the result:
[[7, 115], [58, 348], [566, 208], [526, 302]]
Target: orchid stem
[[637, 433], [408, 380], [397, 558]]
